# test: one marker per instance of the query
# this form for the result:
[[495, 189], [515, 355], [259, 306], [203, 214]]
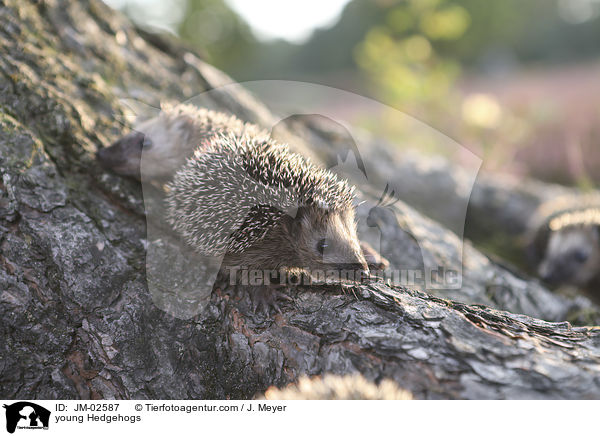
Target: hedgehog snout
[[124, 155], [353, 267], [555, 273], [349, 262]]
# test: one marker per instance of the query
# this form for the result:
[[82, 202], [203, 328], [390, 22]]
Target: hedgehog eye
[[322, 245], [580, 256], [147, 143]]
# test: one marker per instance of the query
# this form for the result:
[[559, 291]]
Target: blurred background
[[517, 82]]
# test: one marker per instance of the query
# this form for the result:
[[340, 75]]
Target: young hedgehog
[[566, 242], [234, 192]]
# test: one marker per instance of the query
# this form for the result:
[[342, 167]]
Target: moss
[[20, 149]]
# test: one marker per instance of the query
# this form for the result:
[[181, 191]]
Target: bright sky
[[293, 20]]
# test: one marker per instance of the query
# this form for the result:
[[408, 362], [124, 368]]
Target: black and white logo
[[26, 415]]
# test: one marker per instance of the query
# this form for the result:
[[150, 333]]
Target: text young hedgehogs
[[233, 191]]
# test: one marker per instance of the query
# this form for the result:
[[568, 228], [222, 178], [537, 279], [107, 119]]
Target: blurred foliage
[[426, 58], [415, 53], [442, 34], [218, 31], [400, 55]]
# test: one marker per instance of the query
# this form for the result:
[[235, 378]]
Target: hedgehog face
[[572, 256], [158, 146], [328, 241]]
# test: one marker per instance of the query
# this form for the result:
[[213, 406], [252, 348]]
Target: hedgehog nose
[[354, 271], [102, 155], [550, 277], [554, 276], [111, 155]]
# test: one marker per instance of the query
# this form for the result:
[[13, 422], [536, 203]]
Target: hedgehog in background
[[336, 387], [566, 242]]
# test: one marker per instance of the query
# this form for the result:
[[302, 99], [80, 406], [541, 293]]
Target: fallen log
[[77, 317]]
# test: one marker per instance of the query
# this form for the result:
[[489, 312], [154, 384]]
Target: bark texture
[[76, 315]]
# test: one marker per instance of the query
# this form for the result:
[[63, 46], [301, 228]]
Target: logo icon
[[26, 415]]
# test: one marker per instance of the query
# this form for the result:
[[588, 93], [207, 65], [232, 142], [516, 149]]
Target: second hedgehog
[[248, 198], [565, 242]]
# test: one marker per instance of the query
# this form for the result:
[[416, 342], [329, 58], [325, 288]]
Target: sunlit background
[[515, 81]]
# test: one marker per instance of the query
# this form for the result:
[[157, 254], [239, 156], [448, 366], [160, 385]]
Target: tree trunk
[[76, 315]]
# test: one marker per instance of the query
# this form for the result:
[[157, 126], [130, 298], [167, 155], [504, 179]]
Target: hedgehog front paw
[[266, 299], [375, 261]]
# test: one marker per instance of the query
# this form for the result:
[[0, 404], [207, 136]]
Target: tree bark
[[76, 315]]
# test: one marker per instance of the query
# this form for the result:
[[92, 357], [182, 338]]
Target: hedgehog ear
[[185, 126], [290, 223], [184, 121], [293, 223]]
